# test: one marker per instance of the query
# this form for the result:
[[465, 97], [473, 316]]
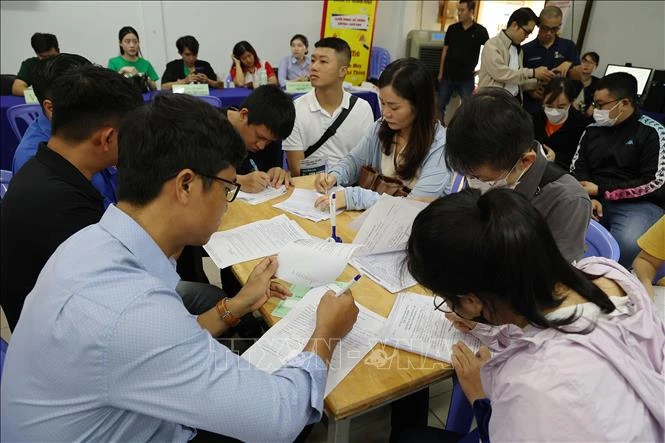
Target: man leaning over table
[[108, 345]]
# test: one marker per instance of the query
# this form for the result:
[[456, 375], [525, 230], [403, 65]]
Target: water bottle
[[263, 77], [229, 82]]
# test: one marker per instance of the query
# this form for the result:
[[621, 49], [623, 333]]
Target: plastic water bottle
[[263, 77], [229, 82]]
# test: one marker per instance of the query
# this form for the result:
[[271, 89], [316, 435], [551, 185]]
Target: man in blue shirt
[[105, 348], [556, 53], [39, 131]]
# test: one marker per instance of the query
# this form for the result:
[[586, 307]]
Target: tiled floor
[[369, 428]]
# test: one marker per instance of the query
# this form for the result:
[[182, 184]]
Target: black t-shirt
[[463, 50], [267, 158], [48, 201], [175, 70]]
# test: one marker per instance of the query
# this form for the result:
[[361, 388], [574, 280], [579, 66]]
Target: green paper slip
[[285, 306], [192, 89]]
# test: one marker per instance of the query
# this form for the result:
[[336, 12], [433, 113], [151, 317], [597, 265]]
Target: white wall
[[619, 31]]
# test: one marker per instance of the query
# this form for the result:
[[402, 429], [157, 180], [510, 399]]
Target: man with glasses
[[620, 162], [105, 340], [501, 61], [556, 53]]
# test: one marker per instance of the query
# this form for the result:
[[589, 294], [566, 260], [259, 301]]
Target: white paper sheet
[[313, 262], [288, 337], [385, 269], [267, 194], [255, 240], [414, 325], [301, 203], [388, 226]]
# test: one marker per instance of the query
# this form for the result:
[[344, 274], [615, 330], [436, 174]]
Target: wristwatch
[[226, 315]]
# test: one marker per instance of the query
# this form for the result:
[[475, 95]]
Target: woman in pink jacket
[[575, 351]]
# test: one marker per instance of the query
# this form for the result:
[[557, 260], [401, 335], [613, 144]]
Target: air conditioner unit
[[426, 46]]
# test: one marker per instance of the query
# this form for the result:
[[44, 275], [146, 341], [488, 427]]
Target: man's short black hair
[[523, 16], [47, 70], [470, 4], [88, 99], [620, 85], [187, 42], [341, 48], [42, 42], [490, 128], [172, 133], [270, 106]]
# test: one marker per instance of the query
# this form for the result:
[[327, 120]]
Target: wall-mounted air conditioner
[[426, 46]]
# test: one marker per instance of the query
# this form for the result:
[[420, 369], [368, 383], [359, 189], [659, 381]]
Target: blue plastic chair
[[459, 183], [211, 99], [379, 58], [3, 352], [5, 178], [25, 114], [460, 412], [600, 243]]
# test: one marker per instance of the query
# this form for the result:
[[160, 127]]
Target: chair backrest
[[211, 99], [460, 412], [600, 243], [5, 178], [3, 352], [379, 58], [459, 182], [25, 114]]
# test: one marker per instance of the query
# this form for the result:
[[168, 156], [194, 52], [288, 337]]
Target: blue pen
[[253, 163], [347, 286]]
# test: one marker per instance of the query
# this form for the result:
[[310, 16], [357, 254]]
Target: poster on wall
[[353, 21]]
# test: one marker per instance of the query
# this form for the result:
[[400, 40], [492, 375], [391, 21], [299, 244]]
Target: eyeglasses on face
[[526, 31], [231, 188], [553, 29], [442, 304], [597, 105]]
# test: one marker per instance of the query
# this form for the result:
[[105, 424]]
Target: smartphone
[[198, 69]]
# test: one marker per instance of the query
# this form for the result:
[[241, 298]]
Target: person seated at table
[[320, 108], [549, 317], [490, 139], [45, 46], [39, 131], [587, 83], [295, 67], [130, 63], [619, 162], [51, 197], [246, 67], [264, 117], [189, 69], [650, 261], [558, 125], [118, 341], [407, 144]]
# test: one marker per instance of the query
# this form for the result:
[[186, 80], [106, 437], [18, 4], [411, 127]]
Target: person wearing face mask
[[295, 67], [501, 61], [542, 318], [491, 141], [620, 162], [558, 125]]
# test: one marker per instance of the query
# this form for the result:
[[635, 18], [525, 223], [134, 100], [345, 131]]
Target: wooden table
[[386, 373]]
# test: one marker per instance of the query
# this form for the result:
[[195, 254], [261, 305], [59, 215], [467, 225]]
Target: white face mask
[[484, 186], [602, 116], [556, 116]]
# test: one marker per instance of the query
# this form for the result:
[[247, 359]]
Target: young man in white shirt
[[318, 110]]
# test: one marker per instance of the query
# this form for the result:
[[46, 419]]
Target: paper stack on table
[[288, 337], [385, 269], [313, 262], [414, 325], [297, 294], [267, 194], [255, 240], [301, 203]]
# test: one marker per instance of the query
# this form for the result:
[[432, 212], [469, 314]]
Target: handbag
[[371, 179]]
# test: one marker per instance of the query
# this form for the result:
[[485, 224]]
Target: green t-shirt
[[27, 70], [142, 65]]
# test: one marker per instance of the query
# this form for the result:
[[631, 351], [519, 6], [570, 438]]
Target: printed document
[[385, 269], [301, 203], [267, 194]]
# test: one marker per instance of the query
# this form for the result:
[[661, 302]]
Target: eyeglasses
[[231, 188], [597, 105], [441, 304], [588, 62], [553, 30], [526, 31]]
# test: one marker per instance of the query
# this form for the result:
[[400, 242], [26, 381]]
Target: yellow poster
[[353, 21]]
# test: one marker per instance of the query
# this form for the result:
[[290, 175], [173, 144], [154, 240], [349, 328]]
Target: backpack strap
[[332, 129]]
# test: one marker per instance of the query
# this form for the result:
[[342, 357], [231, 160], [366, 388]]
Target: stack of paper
[[255, 240], [297, 294], [287, 339], [313, 262], [301, 203], [267, 194], [414, 325], [385, 269]]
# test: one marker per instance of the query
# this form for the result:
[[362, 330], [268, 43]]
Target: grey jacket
[[494, 70]]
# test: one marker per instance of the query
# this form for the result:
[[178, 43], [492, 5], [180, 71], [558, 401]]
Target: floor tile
[[439, 405], [433, 421], [212, 272], [5, 333], [3, 319], [441, 387]]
